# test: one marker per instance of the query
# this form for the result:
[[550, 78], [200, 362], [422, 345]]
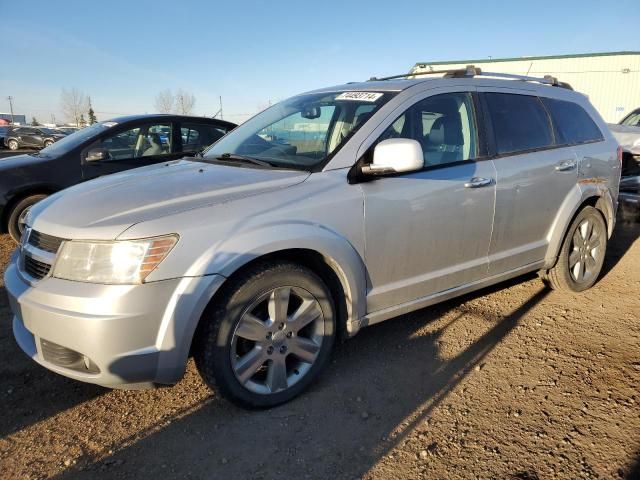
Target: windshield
[[302, 132], [75, 139], [633, 120]]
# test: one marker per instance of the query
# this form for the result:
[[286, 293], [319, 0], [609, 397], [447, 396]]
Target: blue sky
[[122, 53]]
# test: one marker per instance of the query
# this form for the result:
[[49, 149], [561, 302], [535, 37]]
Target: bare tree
[[164, 101], [74, 103], [185, 102]]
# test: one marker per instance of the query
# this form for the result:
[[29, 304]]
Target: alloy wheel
[[277, 340], [586, 251]]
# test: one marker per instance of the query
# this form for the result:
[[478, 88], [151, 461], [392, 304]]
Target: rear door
[[534, 177], [134, 146]]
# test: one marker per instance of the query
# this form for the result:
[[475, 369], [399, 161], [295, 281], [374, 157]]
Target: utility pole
[[219, 112], [10, 98]]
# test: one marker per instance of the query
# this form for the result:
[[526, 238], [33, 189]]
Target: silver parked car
[[329, 212]]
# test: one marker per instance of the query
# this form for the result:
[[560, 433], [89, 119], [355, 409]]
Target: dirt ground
[[513, 382]]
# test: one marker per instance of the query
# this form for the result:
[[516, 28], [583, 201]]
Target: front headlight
[[118, 262]]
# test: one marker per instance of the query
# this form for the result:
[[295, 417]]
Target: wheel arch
[[599, 198], [18, 196], [330, 256]]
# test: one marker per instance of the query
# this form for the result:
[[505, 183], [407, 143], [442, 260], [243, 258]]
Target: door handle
[[476, 182], [566, 165]]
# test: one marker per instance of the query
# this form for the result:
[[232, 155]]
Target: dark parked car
[[627, 132], [31, 137], [100, 149], [3, 133]]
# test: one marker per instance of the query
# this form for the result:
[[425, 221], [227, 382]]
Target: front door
[[429, 231], [137, 146]]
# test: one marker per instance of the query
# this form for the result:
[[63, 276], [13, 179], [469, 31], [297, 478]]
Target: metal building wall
[[611, 80]]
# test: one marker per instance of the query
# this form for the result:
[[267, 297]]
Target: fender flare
[[337, 251]]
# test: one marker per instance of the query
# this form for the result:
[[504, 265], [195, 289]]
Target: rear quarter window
[[520, 122], [572, 123]]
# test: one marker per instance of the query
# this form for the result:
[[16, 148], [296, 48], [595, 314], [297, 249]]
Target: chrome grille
[[35, 268], [45, 242]]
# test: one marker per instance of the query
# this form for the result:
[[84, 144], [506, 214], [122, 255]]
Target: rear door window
[[573, 124], [196, 137], [520, 122]]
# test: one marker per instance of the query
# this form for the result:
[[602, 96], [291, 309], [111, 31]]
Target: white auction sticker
[[360, 96]]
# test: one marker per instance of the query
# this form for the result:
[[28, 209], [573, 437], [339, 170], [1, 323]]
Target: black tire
[[13, 144], [14, 224], [215, 336], [562, 276]]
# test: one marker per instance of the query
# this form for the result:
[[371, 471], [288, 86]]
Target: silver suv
[[330, 211]]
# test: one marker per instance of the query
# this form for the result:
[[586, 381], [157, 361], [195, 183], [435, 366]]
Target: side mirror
[[395, 155], [97, 155]]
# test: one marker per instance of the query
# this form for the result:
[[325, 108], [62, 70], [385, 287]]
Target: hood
[[17, 161], [104, 208], [627, 136]]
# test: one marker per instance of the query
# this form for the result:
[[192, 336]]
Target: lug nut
[[283, 349], [269, 335], [281, 326], [289, 334], [269, 350]]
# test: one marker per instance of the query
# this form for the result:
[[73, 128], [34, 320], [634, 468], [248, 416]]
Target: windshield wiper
[[241, 158]]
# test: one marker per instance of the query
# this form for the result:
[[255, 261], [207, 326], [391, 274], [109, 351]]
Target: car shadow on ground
[[304, 437], [634, 470]]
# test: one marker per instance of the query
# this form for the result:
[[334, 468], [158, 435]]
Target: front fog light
[[118, 262]]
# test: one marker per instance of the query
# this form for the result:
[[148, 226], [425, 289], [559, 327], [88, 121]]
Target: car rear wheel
[[268, 336], [18, 215], [12, 144], [582, 253]]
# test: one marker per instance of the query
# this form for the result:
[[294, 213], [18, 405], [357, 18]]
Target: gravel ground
[[514, 382]]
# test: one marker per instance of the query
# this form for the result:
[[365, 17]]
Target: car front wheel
[[18, 215], [268, 336], [48, 143], [582, 254], [12, 144]]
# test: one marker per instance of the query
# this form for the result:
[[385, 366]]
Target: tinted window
[[519, 122], [443, 125], [573, 125], [195, 136]]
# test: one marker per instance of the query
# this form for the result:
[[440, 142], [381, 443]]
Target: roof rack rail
[[473, 71]]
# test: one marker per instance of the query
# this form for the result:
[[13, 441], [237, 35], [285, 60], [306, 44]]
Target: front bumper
[[132, 336]]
